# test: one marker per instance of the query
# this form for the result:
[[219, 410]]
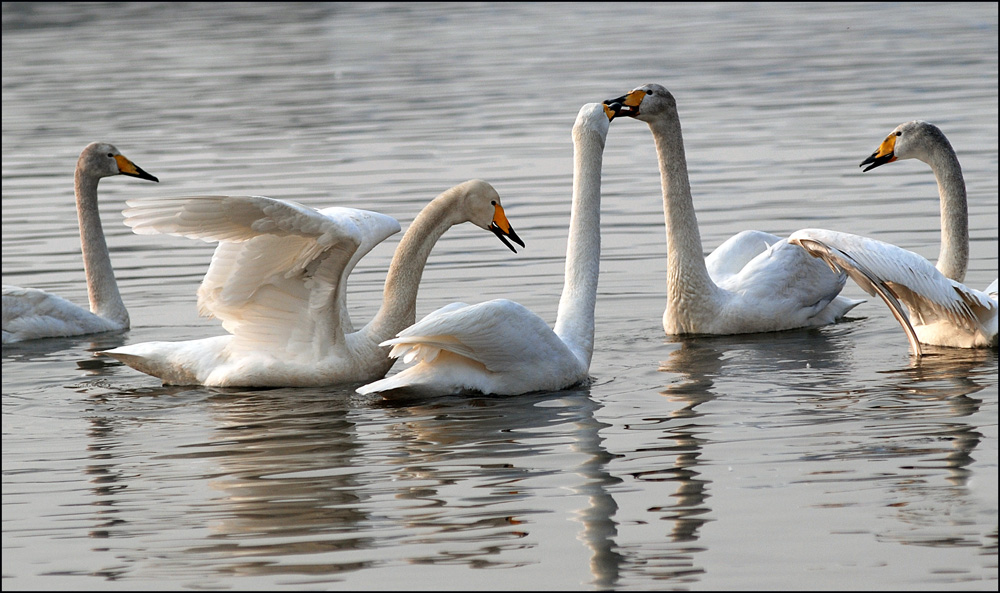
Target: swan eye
[[111, 155], [899, 133], [493, 202], [649, 92]]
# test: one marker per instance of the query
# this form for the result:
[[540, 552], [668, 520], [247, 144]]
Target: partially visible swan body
[[29, 313], [942, 312], [929, 302], [753, 282], [278, 282], [500, 347]]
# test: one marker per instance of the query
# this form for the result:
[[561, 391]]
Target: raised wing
[[901, 277], [278, 276]]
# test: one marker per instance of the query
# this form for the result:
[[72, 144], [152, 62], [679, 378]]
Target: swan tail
[[838, 308], [155, 359]]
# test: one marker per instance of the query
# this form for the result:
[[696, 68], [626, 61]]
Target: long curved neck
[[953, 260], [102, 289], [688, 280], [399, 297], [575, 316]]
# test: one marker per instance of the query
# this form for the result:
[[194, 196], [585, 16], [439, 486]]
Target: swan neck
[[399, 297], [102, 288], [687, 273], [575, 315], [953, 260]]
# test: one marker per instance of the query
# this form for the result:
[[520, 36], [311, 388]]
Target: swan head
[[595, 116], [912, 140], [643, 103], [482, 206], [101, 159]]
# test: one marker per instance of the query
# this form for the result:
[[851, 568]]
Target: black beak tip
[[503, 237]]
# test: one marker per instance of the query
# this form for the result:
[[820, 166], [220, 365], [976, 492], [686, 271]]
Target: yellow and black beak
[[502, 229], [127, 167], [885, 154], [624, 105]]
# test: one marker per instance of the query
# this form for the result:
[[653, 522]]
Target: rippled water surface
[[819, 459]]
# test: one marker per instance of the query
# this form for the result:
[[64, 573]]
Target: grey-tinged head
[[644, 103], [481, 204], [912, 140], [100, 159]]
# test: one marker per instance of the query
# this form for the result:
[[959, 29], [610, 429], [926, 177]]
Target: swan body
[[29, 313], [500, 347], [278, 283], [929, 301], [755, 281]]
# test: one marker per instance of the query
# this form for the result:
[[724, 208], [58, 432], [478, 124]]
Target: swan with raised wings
[[753, 282], [500, 347], [29, 313], [278, 282], [929, 302]]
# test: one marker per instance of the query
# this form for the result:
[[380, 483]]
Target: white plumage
[[755, 281], [29, 313], [930, 302], [499, 346], [278, 283]]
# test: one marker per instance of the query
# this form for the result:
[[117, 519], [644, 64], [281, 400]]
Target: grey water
[[803, 460]]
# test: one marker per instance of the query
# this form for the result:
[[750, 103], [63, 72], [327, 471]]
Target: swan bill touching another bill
[[500, 347], [753, 282]]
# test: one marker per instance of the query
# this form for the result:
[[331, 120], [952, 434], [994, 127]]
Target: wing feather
[[279, 273]]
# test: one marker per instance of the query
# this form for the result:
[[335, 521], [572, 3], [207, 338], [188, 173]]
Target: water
[[820, 459]]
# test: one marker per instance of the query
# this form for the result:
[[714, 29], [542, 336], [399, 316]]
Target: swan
[[29, 313], [278, 282], [941, 310], [753, 282], [500, 347]]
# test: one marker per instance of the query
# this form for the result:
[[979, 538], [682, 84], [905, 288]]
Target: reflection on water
[[304, 485], [300, 489]]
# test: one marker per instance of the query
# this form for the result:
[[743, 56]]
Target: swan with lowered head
[[29, 313], [278, 282], [755, 281], [929, 302], [500, 347]]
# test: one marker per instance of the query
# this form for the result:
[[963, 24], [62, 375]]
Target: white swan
[[755, 281], [278, 282], [941, 310], [29, 313], [499, 346]]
